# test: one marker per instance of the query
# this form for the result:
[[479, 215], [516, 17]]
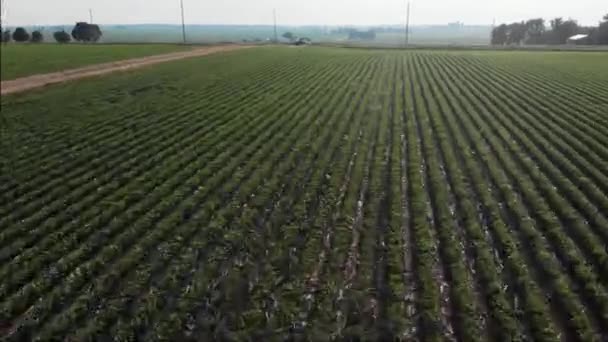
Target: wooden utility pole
[[276, 37], [183, 22], [3, 11], [407, 26]]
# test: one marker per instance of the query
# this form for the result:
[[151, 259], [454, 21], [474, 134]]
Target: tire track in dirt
[[37, 81]]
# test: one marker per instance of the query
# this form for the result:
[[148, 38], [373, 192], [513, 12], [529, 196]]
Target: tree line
[[355, 34], [362, 35], [537, 32], [82, 32]]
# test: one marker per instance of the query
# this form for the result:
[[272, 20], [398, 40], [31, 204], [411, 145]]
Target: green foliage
[[6, 36], [85, 32], [37, 37], [562, 30], [603, 31], [62, 37], [533, 32], [500, 35], [21, 35], [312, 194], [19, 60]]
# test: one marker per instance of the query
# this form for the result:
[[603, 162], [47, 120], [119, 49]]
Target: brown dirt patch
[[41, 80]]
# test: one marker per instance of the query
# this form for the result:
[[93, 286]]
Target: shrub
[[37, 37], [62, 37], [21, 35], [6, 36], [86, 32]]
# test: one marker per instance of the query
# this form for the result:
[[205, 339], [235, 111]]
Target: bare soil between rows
[[37, 81]]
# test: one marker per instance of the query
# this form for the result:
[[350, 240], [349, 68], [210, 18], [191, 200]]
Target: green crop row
[[310, 194]]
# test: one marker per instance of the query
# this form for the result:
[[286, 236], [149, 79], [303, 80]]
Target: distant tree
[[21, 35], [289, 36], [85, 32], [593, 33], [37, 37], [562, 30], [602, 32], [568, 29], [535, 31], [62, 37], [361, 35], [516, 33], [556, 23], [6, 36], [500, 35]]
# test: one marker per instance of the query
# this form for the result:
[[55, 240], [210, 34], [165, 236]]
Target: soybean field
[[311, 194]]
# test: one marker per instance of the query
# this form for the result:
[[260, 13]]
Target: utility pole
[[90, 16], [407, 26], [276, 38], [4, 11], [183, 21]]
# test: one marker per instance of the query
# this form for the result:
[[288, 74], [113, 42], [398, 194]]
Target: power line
[[183, 21]]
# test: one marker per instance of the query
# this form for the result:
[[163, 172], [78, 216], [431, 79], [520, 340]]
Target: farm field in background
[[19, 60], [311, 193]]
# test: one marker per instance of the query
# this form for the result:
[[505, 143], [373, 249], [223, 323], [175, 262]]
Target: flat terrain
[[37, 81], [19, 60], [315, 193]]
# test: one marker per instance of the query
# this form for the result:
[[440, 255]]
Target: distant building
[[456, 25], [578, 39]]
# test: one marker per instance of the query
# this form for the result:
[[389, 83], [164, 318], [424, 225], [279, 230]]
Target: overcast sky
[[292, 12]]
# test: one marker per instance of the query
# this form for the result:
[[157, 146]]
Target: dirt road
[[41, 80]]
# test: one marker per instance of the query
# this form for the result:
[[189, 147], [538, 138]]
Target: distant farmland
[[311, 193], [31, 59]]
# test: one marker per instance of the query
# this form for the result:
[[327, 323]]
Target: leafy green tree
[[602, 32], [568, 29], [555, 27], [516, 33], [6, 36], [556, 23], [85, 32], [37, 37], [535, 31], [500, 35], [20, 35], [62, 37], [562, 30], [593, 35]]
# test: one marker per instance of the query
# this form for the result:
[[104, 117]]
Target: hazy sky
[[292, 12]]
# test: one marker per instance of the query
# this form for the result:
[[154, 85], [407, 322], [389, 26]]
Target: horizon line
[[264, 25]]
